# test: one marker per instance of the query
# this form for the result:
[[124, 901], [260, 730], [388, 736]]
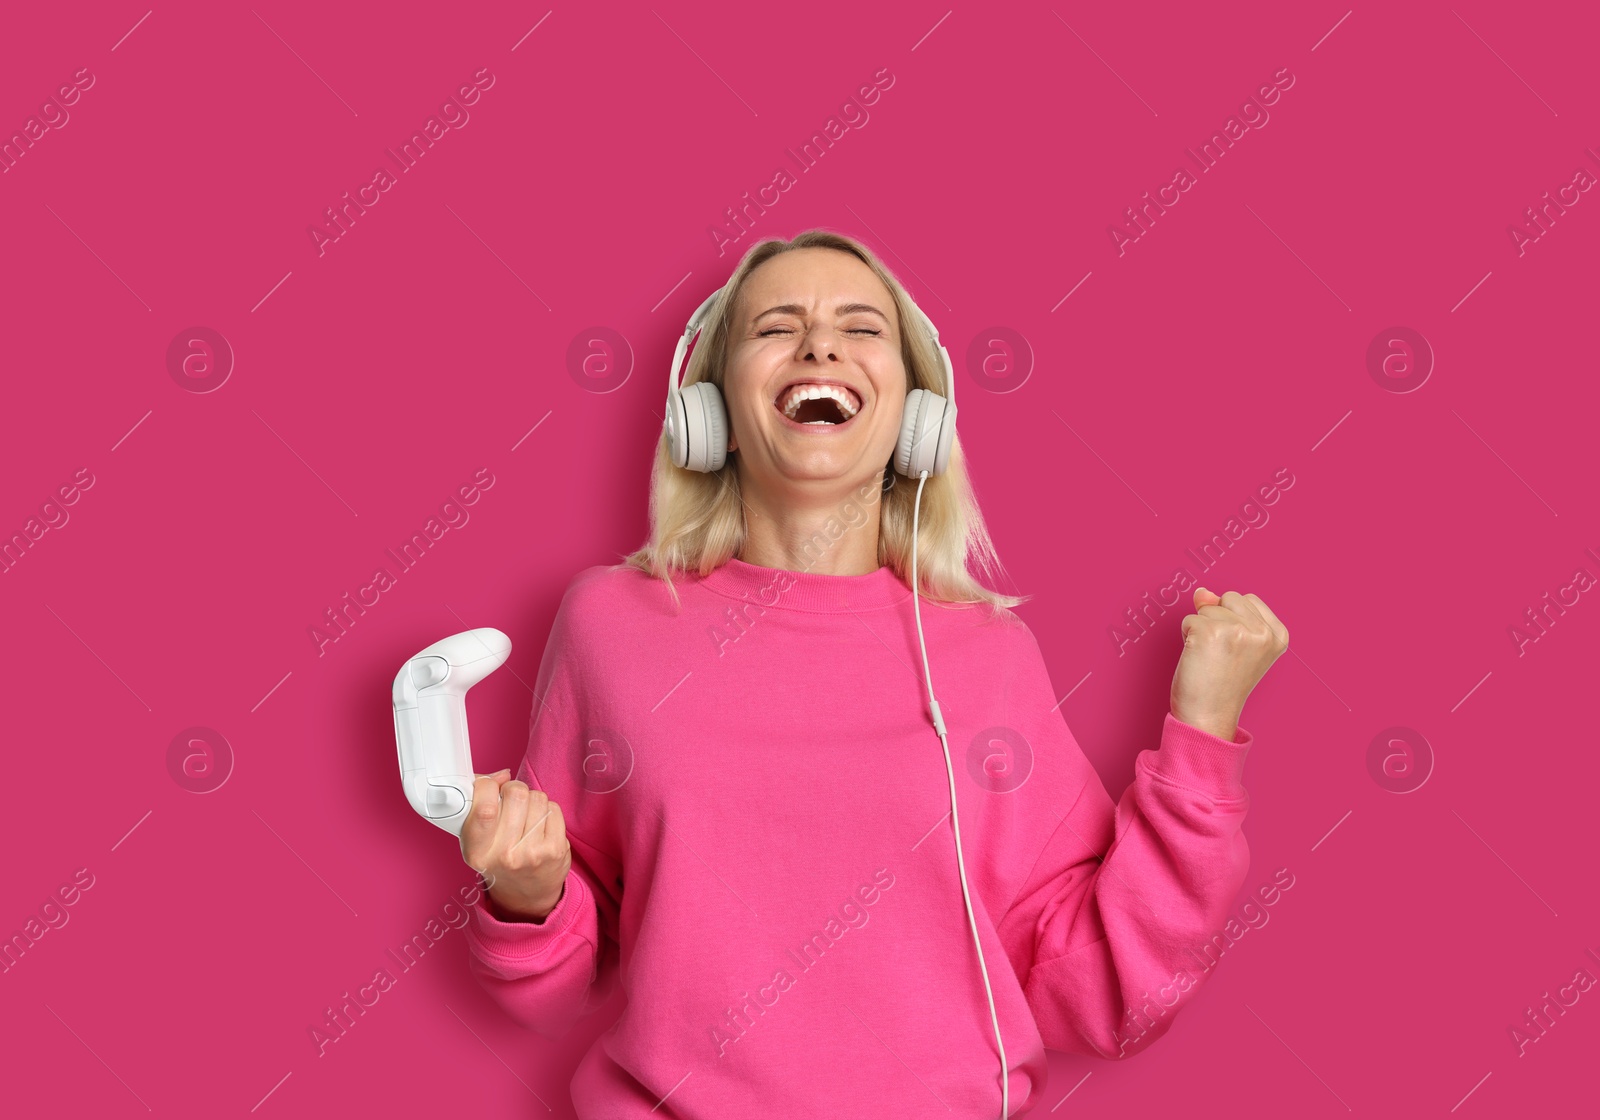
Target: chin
[[826, 469]]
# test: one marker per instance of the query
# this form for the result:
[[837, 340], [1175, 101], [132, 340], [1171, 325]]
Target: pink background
[[369, 382]]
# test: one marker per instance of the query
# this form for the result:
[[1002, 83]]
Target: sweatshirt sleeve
[[1106, 928], [547, 975]]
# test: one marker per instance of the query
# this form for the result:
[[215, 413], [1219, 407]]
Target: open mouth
[[808, 404]]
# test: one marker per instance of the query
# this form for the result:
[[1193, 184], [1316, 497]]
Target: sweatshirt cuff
[[524, 940], [1200, 760]]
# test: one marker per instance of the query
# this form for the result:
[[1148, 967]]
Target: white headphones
[[697, 418], [697, 428]]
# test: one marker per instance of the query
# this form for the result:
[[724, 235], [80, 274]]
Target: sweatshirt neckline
[[806, 591]]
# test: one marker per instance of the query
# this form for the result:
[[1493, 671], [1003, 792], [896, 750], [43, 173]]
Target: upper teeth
[[798, 396]]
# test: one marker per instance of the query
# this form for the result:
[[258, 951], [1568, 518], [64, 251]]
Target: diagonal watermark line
[[1473, 689], [98, 658], [514, 46], [1105, 865], [672, 289], [130, 431], [499, 258], [1297, 257], [1298, 1058], [1505, 464], [531, 430], [1329, 833], [1322, 682], [507, 666], [129, 833], [1064, 299], [703, 62], [309, 868], [1332, 29], [1472, 1090], [303, 62], [672, 1090], [1074, 1089], [308, 466], [497, 1057], [897, 1057], [1503, 62], [273, 689], [132, 29], [1074, 688], [1105, 464], [930, 831], [934, 28], [99, 258], [673, 689], [707, 866], [101, 1060], [1501, 858], [898, 257], [275, 287], [884, 644], [1104, 63], [1475, 287], [543, 708], [274, 1089], [1331, 430]]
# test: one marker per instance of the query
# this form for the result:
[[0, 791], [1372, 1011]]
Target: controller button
[[427, 671], [444, 801]]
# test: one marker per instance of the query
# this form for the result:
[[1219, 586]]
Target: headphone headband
[[689, 331]]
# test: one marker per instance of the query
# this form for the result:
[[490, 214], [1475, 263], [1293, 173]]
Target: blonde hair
[[697, 518]]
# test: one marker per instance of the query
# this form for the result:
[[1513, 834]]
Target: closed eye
[[852, 330]]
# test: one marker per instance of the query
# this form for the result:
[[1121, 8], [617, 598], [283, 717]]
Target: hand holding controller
[[430, 722], [516, 838]]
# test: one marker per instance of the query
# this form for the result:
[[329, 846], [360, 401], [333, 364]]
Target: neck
[[836, 535]]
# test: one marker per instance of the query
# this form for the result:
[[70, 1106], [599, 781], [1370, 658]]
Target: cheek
[[890, 392], [750, 403], [749, 413]]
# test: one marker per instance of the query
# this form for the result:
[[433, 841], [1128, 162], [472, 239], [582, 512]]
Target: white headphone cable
[[938, 723]]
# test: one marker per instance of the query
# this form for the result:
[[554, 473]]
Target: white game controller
[[430, 722]]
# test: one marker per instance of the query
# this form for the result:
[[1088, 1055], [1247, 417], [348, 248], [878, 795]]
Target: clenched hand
[[516, 838], [1228, 645]]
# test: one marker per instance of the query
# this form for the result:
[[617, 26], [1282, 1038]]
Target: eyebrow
[[842, 309]]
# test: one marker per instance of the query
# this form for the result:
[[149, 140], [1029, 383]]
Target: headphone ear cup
[[927, 432], [947, 438], [700, 428], [716, 413], [906, 444]]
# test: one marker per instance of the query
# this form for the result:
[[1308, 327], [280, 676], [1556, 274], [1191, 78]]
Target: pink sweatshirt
[[763, 857]]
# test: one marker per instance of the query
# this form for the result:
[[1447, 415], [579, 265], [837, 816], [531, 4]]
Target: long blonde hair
[[697, 518]]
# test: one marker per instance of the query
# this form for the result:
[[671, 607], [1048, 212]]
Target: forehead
[[812, 275]]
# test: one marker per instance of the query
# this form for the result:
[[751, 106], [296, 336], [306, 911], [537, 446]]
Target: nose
[[821, 343]]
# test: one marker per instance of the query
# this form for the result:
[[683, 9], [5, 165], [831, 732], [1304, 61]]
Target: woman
[[733, 723]]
